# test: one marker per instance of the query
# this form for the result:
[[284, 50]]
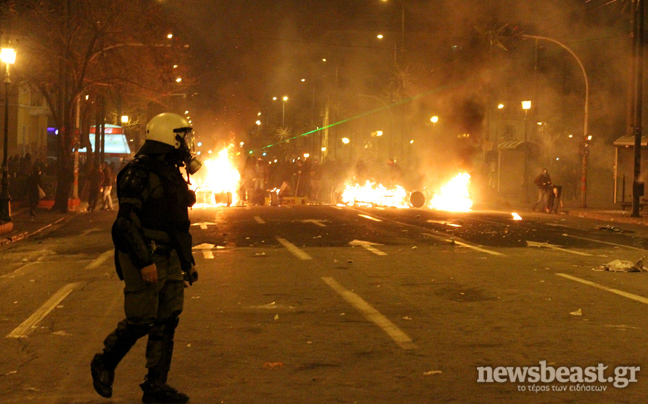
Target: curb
[[26, 234], [642, 221]]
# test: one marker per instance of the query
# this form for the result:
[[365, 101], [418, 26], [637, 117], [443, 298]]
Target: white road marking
[[203, 225], [85, 233], [32, 322], [604, 242], [370, 217], [297, 252], [476, 248], [203, 246], [444, 222], [464, 244], [554, 247], [208, 255], [369, 246], [402, 339], [317, 222], [259, 220], [100, 260], [628, 295]]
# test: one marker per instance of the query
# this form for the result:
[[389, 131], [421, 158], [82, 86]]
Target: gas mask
[[185, 153]]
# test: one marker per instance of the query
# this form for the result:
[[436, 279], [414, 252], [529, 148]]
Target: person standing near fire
[[543, 182], [152, 255]]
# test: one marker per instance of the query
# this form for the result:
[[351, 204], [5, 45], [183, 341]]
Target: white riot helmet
[[173, 130], [165, 127]]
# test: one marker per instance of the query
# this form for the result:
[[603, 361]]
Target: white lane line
[[317, 222], [604, 242], [259, 220], [370, 217], [299, 253], [369, 246], [463, 244], [100, 260], [402, 339], [85, 233], [554, 247], [632, 296], [476, 248], [32, 322]]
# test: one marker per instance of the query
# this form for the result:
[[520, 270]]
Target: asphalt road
[[320, 304]]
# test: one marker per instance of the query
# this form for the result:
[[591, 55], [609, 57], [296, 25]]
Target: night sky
[[246, 51]]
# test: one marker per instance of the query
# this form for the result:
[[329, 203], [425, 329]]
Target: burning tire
[[417, 199]]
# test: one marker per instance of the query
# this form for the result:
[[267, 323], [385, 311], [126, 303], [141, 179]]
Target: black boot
[[102, 376], [156, 392]]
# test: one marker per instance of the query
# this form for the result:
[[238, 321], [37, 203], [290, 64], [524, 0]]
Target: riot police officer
[[152, 255]]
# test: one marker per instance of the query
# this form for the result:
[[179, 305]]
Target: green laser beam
[[362, 115]]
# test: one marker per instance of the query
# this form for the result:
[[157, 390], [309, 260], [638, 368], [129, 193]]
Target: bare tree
[[72, 48]]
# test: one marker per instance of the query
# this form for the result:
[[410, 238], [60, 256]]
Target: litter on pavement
[[622, 266]]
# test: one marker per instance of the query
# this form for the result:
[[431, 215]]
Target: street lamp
[[8, 57], [586, 137], [526, 106], [283, 110]]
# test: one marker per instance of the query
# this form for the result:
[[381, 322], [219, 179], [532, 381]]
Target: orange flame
[[453, 196], [372, 194], [217, 182]]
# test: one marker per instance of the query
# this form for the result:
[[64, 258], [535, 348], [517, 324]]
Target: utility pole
[[637, 94]]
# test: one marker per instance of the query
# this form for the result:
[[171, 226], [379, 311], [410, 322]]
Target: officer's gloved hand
[[191, 275]]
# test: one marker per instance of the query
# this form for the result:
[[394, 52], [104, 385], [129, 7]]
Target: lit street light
[[526, 106], [8, 57], [586, 139], [283, 111]]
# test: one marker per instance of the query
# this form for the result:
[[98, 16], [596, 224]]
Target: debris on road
[[609, 228], [432, 372], [273, 365], [578, 312], [622, 266]]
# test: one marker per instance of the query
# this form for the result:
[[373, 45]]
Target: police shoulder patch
[[133, 181]]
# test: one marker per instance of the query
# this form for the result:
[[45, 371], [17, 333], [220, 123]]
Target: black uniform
[[152, 226]]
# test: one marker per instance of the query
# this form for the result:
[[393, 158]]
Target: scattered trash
[[195, 297], [219, 247], [432, 372], [61, 333], [622, 266], [578, 312], [343, 314], [610, 228], [407, 318], [13, 372], [60, 306], [189, 345], [349, 261], [276, 317], [272, 365], [31, 389], [262, 254], [414, 247]]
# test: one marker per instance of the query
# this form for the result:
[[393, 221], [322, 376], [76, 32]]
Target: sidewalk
[[617, 216]]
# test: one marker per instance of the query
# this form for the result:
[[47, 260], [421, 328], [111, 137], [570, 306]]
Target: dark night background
[[460, 60]]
